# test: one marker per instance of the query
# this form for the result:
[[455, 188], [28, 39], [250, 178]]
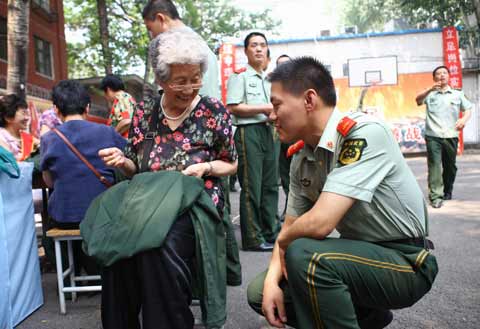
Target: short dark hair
[[251, 35], [283, 56], [70, 97], [166, 7], [112, 81], [9, 105], [438, 68], [304, 73]]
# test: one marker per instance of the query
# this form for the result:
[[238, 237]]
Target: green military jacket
[[136, 215], [365, 165], [251, 88], [443, 110]]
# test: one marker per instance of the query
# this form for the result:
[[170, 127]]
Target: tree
[[17, 36], [128, 39], [447, 13], [104, 35], [369, 15], [373, 14], [214, 19]]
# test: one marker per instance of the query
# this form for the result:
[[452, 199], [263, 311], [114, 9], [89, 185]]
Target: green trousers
[[330, 280], [441, 153], [258, 176]]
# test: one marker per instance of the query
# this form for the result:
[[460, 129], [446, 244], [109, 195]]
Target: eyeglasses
[[193, 86]]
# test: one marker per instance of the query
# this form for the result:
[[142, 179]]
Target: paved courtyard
[[453, 303]]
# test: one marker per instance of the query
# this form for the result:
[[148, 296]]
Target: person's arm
[[216, 168], [47, 178], [273, 304], [245, 111], [114, 157], [123, 126], [318, 222], [421, 96], [460, 124]]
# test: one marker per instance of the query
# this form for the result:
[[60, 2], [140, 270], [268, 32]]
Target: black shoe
[[437, 203], [377, 319], [447, 196], [265, 246]]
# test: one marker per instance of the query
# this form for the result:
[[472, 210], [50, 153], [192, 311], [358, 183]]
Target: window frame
[[44, 42]]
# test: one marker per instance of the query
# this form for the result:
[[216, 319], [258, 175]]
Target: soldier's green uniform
[[443, 109], [257, 160], [379, 261]]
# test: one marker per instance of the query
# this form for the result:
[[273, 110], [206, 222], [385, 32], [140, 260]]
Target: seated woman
[[192, 134], [74, 184], [14, 119]]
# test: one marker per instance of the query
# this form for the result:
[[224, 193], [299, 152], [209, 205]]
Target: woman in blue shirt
[[74, 184]]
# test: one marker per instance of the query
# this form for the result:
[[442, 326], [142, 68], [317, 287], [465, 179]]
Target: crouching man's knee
[[255, 292]]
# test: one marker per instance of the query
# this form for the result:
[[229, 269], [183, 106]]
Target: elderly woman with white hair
[[178, 130]]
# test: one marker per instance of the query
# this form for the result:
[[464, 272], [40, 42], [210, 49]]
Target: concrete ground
[[453, 303]]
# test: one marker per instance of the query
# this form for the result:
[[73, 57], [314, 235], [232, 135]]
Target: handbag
[[81, 157]]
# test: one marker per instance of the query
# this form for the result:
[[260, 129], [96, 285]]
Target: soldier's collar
[[329, 136], [251, 72], [447, 90]]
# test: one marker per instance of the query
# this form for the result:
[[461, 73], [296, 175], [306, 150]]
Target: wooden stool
[[58, 236]]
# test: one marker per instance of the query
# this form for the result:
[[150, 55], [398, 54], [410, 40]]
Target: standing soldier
[[352, 177], [248, 99], [441, 134]]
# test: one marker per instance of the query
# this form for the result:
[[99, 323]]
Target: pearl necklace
[[172, 118]]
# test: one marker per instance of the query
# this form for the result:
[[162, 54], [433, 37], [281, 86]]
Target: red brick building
[[47, 58]]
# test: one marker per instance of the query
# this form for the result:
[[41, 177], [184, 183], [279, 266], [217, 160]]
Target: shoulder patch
[[240, 70], [294, 148], [345, 125], [352, 150]]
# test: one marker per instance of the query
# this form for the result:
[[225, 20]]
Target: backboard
[[363, 72]]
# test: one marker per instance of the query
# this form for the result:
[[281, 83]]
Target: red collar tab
[[294, 148], [345, 125], [241, 70]]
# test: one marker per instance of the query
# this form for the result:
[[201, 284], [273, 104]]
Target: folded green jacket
[[136, 215]]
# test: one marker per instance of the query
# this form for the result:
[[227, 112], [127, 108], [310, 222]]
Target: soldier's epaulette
[[294, 148], [345, 125], [240, 70]]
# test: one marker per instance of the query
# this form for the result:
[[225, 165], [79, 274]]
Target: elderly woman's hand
[[113, 157], [198, 170]]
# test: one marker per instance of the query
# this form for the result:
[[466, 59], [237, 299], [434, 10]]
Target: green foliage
[[212, 19], [128, 37], [371, 15]]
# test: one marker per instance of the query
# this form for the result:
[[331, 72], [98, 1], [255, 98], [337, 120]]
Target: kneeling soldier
[[350, 176]]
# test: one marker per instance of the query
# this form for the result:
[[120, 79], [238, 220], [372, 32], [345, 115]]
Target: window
[[345, 70], [44, 4], [3, 38], [43, 57]]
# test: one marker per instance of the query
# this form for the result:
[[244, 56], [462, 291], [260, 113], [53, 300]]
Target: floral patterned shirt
[[122, 108], [50, 119], [205, 135]]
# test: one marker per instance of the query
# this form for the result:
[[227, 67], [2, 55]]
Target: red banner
[[451, 59], [227, 66]]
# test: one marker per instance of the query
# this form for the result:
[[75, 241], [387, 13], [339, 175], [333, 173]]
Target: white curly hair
[[177, 46]]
